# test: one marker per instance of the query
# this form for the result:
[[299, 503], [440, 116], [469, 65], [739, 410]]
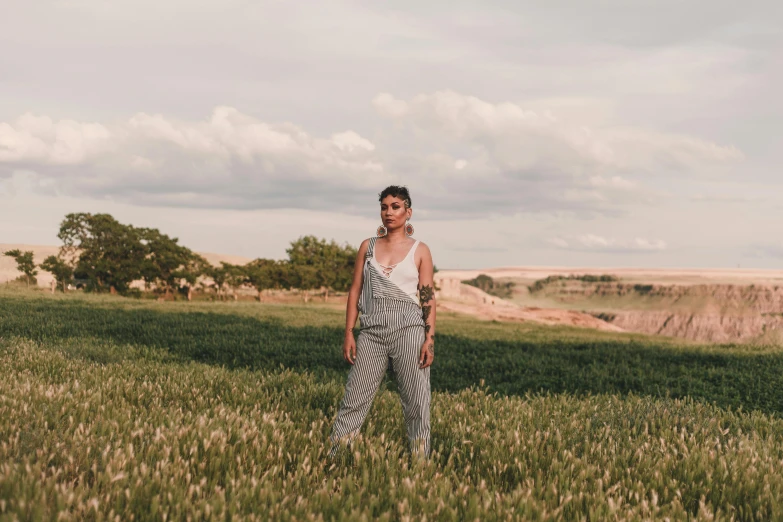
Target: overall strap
[[370, 248]]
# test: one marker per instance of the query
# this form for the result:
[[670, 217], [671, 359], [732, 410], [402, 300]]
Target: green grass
[[118, 408], [510, 359]]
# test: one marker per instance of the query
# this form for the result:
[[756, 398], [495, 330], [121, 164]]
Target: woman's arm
[[427, 300], [352, 309]]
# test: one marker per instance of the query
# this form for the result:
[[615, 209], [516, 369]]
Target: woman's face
[[393, 212]]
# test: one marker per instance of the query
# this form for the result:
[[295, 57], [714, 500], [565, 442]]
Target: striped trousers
[[397, 338]]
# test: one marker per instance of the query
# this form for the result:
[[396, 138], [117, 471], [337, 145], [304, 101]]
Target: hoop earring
[[408, 229], [381, 231]]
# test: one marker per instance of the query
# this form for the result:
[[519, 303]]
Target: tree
[[108, 254], [282, 275], [165, 262], [62, 271], [260, 273], [235, 277], [219, 275], [25, 264], [305, 278], [226, 276], [319, 263], [194, 268], [492, 287], [343, 269]]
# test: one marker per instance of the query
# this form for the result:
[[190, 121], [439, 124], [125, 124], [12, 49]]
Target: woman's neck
[[396, 236]]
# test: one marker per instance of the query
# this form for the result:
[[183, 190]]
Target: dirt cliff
[[718, 328], [710, 312]]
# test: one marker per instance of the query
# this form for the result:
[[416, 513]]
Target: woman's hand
[[349, 347], [427, 354]]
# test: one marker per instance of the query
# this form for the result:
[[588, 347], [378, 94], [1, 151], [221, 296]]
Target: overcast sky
[[568, 133]]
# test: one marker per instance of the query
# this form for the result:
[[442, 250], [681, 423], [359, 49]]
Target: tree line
[[102, 255], [504, 290]]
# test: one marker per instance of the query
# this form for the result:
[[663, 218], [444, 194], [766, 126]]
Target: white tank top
[[404, 274]]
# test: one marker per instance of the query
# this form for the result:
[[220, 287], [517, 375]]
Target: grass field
[[113, 408]]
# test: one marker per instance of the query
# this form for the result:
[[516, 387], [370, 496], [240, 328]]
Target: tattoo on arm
[[426, 293]]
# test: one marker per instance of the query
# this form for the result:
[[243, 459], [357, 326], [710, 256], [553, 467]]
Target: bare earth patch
[[455, 296]]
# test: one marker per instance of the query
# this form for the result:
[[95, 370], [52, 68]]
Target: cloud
[[541, 160], [462, 156], [520, 139], [230, 160], [765, 251], [613, 182], [390, 107], [725, 198], [596, 243], [39, 139], [558, 242]]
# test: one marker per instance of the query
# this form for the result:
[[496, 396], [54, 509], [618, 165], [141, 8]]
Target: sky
[[601, 133]]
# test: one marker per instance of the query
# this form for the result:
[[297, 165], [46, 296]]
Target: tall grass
[[161, 440], [115, 410]]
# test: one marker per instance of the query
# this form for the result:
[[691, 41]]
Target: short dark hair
[[396, 191]]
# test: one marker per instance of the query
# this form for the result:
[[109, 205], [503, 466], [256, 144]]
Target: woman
[[393, 289]]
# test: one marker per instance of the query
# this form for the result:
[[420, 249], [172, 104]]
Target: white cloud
[[521, 160], [593, 241], [39, 139], [558, 242], [389, 106], [613, 182], [518, 138], [646, 244], [230, 160], [349, 141], [596, 243], [768, 250]]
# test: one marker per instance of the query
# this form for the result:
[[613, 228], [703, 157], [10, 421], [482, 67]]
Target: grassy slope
[[105, 410]]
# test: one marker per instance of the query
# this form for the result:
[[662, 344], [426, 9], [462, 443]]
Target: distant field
[[660, 276], [115, 407]]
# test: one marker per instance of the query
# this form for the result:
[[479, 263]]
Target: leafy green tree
[[165, 262], [190, 272], [235, 277], [492, 287], [305, 278], [260, 273], [282, 275], [343, 268], [219, 276], [318, 263], [226, 277], [25, 264], [108, 254], [62, 271]]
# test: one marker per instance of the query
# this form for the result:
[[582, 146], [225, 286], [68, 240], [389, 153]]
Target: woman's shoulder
[[365, 245], [422, 245], [422, 250]]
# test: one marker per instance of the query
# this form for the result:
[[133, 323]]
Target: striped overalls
[[391, 329]]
